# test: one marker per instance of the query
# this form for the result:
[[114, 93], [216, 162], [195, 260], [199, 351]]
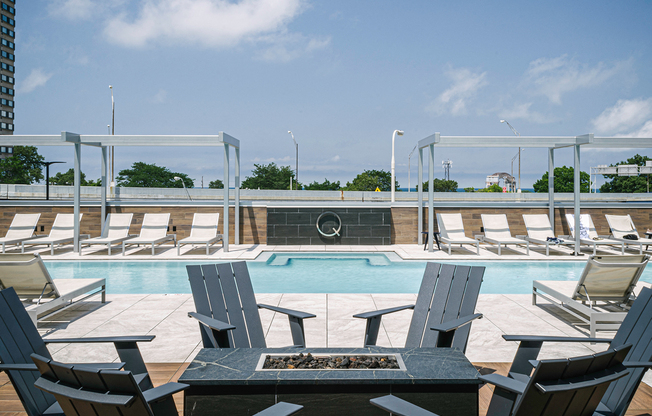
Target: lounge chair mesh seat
[[451, 229], [63, 231], [496, 231], [42, 295], [539, 230], [115, 231], [589, 235], [622, 225], [153, 231], [603, 293], [21, 228], [203, 231]]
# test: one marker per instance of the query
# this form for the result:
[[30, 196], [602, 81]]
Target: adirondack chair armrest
[[394, 405], [128, 338], [289, 312], [544, 338], [280, 409], [504, 383], [456, 323], [381, 312], [162, 392], [628, 364], [582, 382], [18, 367], [212, 323]]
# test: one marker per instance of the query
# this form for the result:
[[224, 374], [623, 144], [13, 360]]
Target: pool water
[[317, 273]]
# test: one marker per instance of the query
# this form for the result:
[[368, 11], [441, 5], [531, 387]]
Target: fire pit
[[308, 361]]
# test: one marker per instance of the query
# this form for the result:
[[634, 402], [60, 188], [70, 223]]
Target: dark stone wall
[[360, 226]]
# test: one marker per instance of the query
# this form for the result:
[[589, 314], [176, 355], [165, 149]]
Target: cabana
[[552, 143], [105, 141]]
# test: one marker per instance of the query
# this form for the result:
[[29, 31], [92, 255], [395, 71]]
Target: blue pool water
[[317, 273]]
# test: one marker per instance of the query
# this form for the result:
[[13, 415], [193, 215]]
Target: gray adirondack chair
[[443, 311], [565, 387], [227, 310], [19, 338], [636, 329]]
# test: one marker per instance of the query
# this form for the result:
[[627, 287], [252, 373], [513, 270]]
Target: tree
[[627, 184], [564, 181], [469, 189], [493, 188], [144, 175], [269, 177], [324, 186], [24, 167], [216, 184], [369, 180], [440, 185], [68, 178]]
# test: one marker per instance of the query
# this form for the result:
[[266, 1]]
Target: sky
[[341, 75]]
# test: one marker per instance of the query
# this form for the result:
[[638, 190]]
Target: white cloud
[[209, 23], [624, 117], [454, 100], [285, 48], [72, 9], [523, 112], [36, 78], [160, 96], [557, 76]]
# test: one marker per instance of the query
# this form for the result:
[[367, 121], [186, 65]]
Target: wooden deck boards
[[162, 373]]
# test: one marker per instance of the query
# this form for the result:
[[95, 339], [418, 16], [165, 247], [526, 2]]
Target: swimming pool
[[317, 273]]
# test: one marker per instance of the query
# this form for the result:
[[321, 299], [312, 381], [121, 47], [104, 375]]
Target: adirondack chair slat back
[[18, 339], [84, 391], [636, 329], [447, 292], [224, 292], [570, 398]]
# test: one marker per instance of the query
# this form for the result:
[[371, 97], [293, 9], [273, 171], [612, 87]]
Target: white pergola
[[550, 142], [104, 141]]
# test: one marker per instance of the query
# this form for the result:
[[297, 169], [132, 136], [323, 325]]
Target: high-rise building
[[7, 70]]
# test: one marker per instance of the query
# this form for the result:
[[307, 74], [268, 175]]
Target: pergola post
[[77, 199], [431, 197], [103, 174], [225, 232], [236, 219], [576, 198], [420, 199], [551, 187]]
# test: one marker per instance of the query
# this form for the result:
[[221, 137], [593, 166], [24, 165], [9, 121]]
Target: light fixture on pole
[[296, 168], [47, 178], [519, 154], [447, 165], [112, 133], [400, 133], [410, 157], [176, 178]]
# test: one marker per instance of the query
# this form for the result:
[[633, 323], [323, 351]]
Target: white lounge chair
[[496, 231], [589, 235], [116, 230], [62, 232], [539, 230], [153, 231], [203, 231], [41, 295], [622, 225], [451, 229], [21, 229], [602, 296]]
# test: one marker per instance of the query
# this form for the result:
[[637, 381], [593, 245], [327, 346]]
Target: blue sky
[[342, 75]]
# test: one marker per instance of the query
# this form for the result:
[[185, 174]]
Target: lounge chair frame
[[601, 311], [153, 231], [115, 231], [617, 234], [451, 229], [594, 239], [202, 231], [495, 233], [42, 295], [62, 232], [539, 229], [21, 228]]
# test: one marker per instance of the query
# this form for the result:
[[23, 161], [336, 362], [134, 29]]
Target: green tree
[[564, 181], [369, 180], [24, 167], [144, 175], [324, 186], [628, 184], [469, 189], [440, 185], [493, 188], [68, 178], [269, 177], [216, 184]]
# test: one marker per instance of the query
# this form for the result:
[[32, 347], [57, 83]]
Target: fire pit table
[[233, 380]]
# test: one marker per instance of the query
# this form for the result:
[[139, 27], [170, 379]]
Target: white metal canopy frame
[[587, 141], [104, 141]]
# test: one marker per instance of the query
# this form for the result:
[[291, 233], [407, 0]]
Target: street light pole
[[410, 157], [400, 133], [47, 178], [176, 178], [296, 167], [519, 153]]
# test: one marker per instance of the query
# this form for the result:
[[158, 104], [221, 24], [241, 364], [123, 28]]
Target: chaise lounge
[[539, 231], [203, 231], [62, 232], [589, 235], [622, 226], [115, 231], [496, 231], [451, 229], [21, 229], [153, 231]]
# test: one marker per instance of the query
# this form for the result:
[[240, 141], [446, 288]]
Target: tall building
[[7, 70]]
